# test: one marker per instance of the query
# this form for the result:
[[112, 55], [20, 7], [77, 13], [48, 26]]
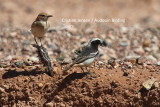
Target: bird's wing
[[37, 24], [81, 59]]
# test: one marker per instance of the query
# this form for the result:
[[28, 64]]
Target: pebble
[[34, 59], [155, 48], [156, 85], [52, 46], [151, 59], [5, 86], [2, 90], [40, 85], [149, 83], [129, 64], [139, 95], [72, 29], [131, 59], [9, 57], [100, 62], [56, 70], [111, 52], [58, 51], [125, 74], [147, 42], [124, 44], [141, 60], [13, 34], [1, 69], [124, 68], [50, 104], [25, 32], [112, 62], [147, 49], [158, 63], [19, 64], [139, 51], [89, 31], [57, 98], [27, 63], [62, 105], [124, 29]]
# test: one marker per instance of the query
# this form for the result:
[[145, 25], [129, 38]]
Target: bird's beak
[[103, 43], [49, 16]]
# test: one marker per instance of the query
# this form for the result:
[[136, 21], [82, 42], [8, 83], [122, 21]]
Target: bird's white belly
[[89, 61]]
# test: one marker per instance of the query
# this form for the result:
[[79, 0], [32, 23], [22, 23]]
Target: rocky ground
[[127, 71]]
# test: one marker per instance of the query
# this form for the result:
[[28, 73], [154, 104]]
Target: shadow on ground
[[68, 79], [14, 73]]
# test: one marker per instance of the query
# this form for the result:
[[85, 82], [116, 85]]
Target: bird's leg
[[41, 42], [36, 41], [82, 69], [89, 73]]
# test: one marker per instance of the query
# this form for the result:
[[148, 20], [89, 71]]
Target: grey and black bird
[[88, 55]]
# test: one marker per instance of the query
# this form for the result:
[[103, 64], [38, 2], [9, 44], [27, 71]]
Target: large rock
[[149, 83]]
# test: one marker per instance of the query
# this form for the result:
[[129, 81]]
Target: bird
[[40, 26], [88, 55]]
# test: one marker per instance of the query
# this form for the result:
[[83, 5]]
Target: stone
[[26, 42], [129, 64], [139, 95], [112, 62], [124, 29], [89, 31], [2, 90], [72, 29], [147, 42], [131, 59], [139, 50], [27, 63], [157, 55], [58, 98], [19, 64], [152, 59], [34, 59], [1, 69], [156, 85], [155, 48], [149, 83], [50, 104], [158, 63], [100, 62], [9, 57], [40, 85], [125, 74], [56, 70], [111, 52], [141, 60], [62, 105], [5, 86], [147, 49], [13, 34], [124, 44]]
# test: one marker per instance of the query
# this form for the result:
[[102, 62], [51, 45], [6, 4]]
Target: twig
[[44, 58]]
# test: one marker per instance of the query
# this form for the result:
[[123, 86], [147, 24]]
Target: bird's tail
[[67, 68]]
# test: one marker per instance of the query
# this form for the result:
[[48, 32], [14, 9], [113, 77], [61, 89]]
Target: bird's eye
[[42, 15], [95, 42]]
